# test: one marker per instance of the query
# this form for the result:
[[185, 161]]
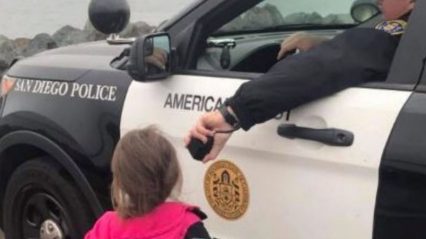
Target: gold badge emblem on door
[[226, 189]]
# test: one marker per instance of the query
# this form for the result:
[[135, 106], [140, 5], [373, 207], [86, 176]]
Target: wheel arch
[[33, 145]]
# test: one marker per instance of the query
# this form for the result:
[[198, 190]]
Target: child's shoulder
[[183, 209], [109, 216], [103, 226], [183, 206], [108, 219]]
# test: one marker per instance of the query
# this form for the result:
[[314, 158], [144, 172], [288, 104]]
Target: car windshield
[[290, 14]]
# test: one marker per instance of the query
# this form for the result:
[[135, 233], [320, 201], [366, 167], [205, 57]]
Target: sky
[[26, 18]]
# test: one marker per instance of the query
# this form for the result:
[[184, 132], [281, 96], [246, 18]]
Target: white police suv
[[63, 111]]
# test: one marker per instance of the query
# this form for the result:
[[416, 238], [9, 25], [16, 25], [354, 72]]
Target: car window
[[282, 15], [257, 33]]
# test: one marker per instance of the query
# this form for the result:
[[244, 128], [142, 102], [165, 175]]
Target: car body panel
[[297, 187], [68, 63]]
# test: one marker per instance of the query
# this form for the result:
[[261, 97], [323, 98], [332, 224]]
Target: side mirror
[[150, 57], [362, 10]]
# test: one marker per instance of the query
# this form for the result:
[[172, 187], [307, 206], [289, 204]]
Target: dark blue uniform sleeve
[[356, 56]]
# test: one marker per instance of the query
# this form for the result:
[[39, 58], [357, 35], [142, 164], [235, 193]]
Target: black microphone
[[198, 149]]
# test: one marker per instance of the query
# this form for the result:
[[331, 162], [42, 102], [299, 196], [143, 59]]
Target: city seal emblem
[[226, 189]]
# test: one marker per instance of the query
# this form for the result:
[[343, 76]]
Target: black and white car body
[[65, 110]]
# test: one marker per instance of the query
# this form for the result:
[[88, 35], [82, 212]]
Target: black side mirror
[[150, 57], [362, 10]]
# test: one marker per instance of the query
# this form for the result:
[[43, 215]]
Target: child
[[146, 175]]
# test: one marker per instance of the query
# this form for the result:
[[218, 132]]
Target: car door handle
[[329, 136]]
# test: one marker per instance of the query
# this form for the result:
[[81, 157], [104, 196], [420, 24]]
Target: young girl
[[146, 176]]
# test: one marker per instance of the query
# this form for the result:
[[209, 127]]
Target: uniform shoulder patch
[[393, 27]]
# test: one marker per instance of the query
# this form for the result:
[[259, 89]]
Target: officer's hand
[[158, 58], [301, 41], [207, 125]]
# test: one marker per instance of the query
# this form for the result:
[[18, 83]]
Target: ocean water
[[26, 18]]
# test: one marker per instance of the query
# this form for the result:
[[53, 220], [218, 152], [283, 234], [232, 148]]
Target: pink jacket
[[170, 220]]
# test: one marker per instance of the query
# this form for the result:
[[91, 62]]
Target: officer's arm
[[353, 57]]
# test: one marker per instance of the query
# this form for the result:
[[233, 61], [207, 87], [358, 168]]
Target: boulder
[[338, 19], [136, 29], [39, 43], [69, 35], [21, 44], [7, 50], [237, 24], [255, 18], [92, 33], [303, 18], [274, 14], [3, 67], [132, 30]]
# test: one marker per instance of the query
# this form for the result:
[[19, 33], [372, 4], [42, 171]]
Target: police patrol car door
[[270, 186]]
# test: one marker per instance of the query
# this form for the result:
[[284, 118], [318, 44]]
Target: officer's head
[[394, 9]]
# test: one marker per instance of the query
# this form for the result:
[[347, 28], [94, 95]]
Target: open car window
[[250, 41]]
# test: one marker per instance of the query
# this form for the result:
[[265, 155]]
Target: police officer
[[326, 66]]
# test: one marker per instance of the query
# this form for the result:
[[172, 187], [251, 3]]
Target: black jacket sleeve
[[197, 230], [353, 57]]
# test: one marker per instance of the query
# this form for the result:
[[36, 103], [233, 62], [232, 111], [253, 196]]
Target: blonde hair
[[145, 172]]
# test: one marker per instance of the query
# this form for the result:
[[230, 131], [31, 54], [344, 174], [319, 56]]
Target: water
[[26, 18]]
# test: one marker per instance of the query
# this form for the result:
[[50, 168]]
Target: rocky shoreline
[[256, 18], [67, 35]]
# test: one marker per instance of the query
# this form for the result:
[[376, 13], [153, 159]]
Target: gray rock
[[136, 29], [255, 18], [21, 44], [41, 42], [235, 25], [132, 30], [314, 18], [93, 34], [7, 50], [303, 18], [69, 35], [274, 14], [338, 19], [331, 19], [3, 67]]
